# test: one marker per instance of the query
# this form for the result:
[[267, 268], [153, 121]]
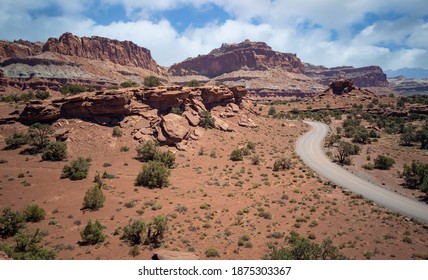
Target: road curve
[[310, 148]]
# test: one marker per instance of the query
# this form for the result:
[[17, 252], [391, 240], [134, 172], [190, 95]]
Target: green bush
[[176, 110], [128, 84], [300, 248], [282, 164], [383, 162], [56, 151], [39, 134], [74, 89], [167, 158], [147, 152], [77, 170], [211, 253], [16, 140], [94, 198], [34, 213], [272, 111], [117, 132], [206, 120], [10, 222], [156, 229], [194, 83], [28, 247], [422, 136], [136, 232], [153, 175], [151, 81], [416, 176], [361, 136], [42, 94], [92, 233], [236, 155]]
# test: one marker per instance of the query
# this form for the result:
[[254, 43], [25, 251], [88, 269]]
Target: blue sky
[[389, 33]]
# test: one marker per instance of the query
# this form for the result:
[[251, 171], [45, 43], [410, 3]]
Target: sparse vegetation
[[77, 170], [383, 162], [299, 248], [194, 83], [416, 176], [236, 155], [147, 151], [10, 222], [74, 89], [128, 84], [153, 175], [55, 151], [39, 135], [206, 120], [16, 140], [94, 198], [34, 213], [282, 163], [92, 233], [152, 81], [117, 132], [211, 253]]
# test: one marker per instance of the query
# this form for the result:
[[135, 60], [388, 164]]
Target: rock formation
[[370, 76], [234, 57], [99, 48], [19, 49]]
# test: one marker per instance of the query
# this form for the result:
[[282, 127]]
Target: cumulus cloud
[[389, 33]]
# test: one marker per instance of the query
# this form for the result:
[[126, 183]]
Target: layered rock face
[[233, 57], [370, 76], [149, 110], [19, 49], [99, 48]]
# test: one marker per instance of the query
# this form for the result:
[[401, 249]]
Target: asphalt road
[[310, 148]]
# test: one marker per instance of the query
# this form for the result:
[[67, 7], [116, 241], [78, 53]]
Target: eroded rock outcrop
[[19, 49], [100, 48], [233, 57]]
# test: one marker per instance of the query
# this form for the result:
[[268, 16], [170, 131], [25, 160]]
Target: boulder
[[221, 125], [176, 128], [245, 121], [192, 116], [61, 134]]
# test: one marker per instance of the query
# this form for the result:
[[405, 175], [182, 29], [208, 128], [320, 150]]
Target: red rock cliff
[[99, 48], [233, 57], [19, 49]]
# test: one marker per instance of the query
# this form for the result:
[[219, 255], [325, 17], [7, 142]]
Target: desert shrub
[[211, 253], [272, 111], [10, 222], [42, 94], [151, 81], [167, 158], [136, 232], [117, 132], [34, 213], [153, 175], [422, 136], [368, 166], [39, 134], [300, 248], [128, 84], [206, 120], [255, 159], [156, 230], [361, 136], [28, 247], [124, 149], [194, 83], [236, 155], [383, 162], [408, 136], [92, 233], [94, 198], [345, 150], [176, 110], [74, 89], [147, 151], [77, 170], [373, 134], [332, 139], [56, 151], [282, 164], [416, 176], [16, 140]]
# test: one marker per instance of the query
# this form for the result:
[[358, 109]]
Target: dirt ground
[[224, 199]]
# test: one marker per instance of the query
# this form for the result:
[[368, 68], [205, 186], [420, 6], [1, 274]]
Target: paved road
[[310, 148]]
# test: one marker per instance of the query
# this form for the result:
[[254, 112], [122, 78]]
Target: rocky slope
[[370, 76], [147, 109], [409, 86], [234, 57], [19, 49]]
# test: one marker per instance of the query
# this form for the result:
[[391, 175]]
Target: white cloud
[[298, 26]]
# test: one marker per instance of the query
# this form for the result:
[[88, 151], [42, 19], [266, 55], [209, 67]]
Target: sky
[[390, 33]]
